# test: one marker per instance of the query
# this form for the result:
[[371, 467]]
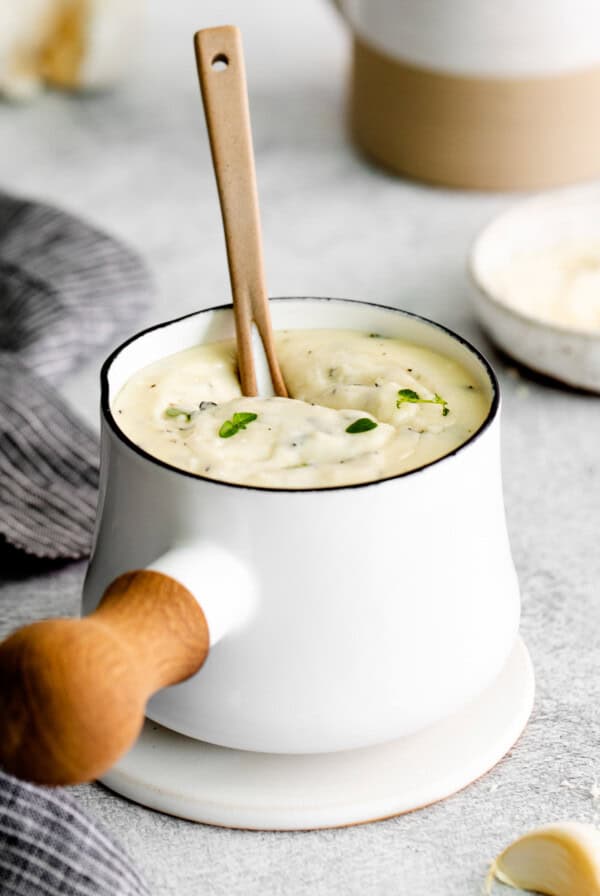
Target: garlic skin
[[74, 44], [110, 31], [558, 859], [24, 26]]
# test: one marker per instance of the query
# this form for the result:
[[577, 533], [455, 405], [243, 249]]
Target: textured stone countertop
[[136, 161]]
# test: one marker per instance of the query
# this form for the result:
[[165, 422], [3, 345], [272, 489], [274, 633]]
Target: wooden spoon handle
[[220, 60], [73, 691]]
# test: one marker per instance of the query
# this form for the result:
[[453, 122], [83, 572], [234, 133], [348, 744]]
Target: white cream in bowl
[[362, 407], [558, 283]]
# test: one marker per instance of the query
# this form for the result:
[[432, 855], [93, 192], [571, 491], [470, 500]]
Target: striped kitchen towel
[[67, 291], [49, 847]]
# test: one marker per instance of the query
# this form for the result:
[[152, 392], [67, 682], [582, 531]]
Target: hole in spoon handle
[[219, 62]]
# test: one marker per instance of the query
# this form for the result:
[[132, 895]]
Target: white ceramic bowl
[[569, 355], [339, 617]]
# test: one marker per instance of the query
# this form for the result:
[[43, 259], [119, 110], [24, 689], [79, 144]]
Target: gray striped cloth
[[67, 291], [49, 847]]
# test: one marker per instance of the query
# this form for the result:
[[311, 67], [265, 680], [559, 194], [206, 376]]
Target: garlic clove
[[72, 44], [112, 31], [557, 859]]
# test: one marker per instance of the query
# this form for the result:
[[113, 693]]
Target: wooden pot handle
[[73, 691]]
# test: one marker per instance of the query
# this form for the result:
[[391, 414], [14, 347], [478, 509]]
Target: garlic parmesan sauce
[[362, 407], [559, 283]]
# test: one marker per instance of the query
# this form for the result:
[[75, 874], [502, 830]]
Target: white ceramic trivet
[[267, 791]]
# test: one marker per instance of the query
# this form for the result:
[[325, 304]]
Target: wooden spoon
[[220, 60]]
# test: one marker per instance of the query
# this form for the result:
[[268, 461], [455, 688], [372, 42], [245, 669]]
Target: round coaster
[[270, 791]]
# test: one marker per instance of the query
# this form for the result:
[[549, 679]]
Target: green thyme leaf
[[439, 400], [411, 397], [242, 418], [178, 412], [408, 395], [228, 429], [363, 424], [237, 422]]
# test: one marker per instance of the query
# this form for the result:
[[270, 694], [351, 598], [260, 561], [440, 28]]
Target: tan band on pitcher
[[482, 133]]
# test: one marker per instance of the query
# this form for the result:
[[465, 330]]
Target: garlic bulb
[[557, 859], [67, 43]]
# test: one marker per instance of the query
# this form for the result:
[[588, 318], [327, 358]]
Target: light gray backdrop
[[137, 162]]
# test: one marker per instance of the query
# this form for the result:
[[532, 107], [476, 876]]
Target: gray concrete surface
[[136, 161]]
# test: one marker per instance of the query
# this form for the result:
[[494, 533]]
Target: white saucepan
[[336, 617]]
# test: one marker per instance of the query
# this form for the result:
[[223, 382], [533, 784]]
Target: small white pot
[[339, 617]]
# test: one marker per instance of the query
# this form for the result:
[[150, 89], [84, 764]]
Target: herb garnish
[[411, 397], [363, 424], [178, 412], [237, 422]]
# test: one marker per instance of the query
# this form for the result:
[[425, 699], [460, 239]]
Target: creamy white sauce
[[559, 283], [335, 377]]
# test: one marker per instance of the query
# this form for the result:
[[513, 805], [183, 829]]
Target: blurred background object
[[475, 93], [73, 44], [137, 161]]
